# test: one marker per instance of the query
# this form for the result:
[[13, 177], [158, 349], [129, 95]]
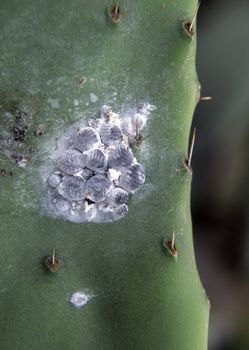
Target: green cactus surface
[[61, 61]]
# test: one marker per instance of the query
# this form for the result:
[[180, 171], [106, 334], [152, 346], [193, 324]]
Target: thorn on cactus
[[206, 297], [52, 262], [187, 161], [114, 13], [170, 246], [200, 97], [188, 27], [205, 98], [138, 138]]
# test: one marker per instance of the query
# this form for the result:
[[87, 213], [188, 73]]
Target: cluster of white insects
[[95, 175]]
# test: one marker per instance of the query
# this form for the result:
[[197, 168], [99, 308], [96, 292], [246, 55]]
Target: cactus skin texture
[[141, 296]]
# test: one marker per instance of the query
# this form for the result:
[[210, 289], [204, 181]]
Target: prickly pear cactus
[[129, 282]]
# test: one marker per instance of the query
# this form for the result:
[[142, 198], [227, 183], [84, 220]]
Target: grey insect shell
[[117, 196], [54, 180], [132, 178], [97, 159], [120, 157], [71, 162], [110, 133], [72, 188], [97, 188], [86, 138], [120, 212]]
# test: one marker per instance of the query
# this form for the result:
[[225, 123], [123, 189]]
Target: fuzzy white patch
[[94, 98], [113, 174], [80, 299]]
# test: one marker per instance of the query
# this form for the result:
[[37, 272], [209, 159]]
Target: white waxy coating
[[71, 162], [145, 108], [61, 205], [114, 118], [97, 188], [72, 188], [79, 299], [113, 174], [76, 215], [86, 138], [151, 107]]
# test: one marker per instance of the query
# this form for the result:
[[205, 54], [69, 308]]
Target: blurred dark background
[[220, 190]]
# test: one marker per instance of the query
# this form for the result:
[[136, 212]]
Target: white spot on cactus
[[93, 97], [151, 107], [54, 103], [21, 162], [76, 103], [80, 299]]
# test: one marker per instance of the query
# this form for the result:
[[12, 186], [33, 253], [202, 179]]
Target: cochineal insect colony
[[94, 176]]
